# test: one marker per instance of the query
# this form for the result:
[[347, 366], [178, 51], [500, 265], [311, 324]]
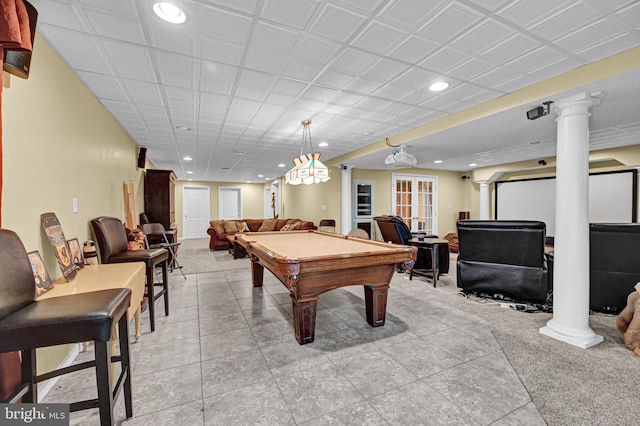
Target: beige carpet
[[569, 386], [195, 257]]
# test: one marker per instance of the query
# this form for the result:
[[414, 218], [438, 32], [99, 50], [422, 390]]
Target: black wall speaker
[[142, 158], [18, 63]]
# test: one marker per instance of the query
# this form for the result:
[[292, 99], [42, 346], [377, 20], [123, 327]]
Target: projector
[[401, 158]]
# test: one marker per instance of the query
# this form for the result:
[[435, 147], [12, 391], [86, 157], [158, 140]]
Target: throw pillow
[[243, 227], [218, 227], [287, 227], [230, 227], [295, 226], [268, 225]]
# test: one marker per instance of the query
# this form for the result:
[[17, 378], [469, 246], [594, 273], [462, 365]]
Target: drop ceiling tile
[[316, 50], [527, 13], [215, 86], [176, 70], [144, 93], [512, 48], [116, 26], [181, 98], [320, 94], [416, 97], [104, 86], [225, 26], [414, 78], [590, 36], [217, 71], [444, 60], [289, 87], [386, 70], [495, 77], [534, 60], [608, 47], [490, 5], [124, 7], [413, 49], [172, 40], [291, 13], [630, 15], [450, 22], [303, 71], [565, 21], [81, 53], [365, 85], [221, 51], [482, 37], [268, 113], [554, 68], [471, 69], [378, 37], [279, 99], [64, 15], [130, 61], [242, 109], [391, 92], [267, 62], [409, 13], [334, 78], [273, 39], [337, 23]]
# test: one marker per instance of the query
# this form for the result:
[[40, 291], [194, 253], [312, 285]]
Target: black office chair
[[26, 325], [394, 230], [111, 237]]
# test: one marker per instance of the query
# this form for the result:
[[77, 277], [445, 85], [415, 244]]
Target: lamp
[[308, 168]]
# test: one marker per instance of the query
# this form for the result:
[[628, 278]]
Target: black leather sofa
[[504, 259], [614, 264]]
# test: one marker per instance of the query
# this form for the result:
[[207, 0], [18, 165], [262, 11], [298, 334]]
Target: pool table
[[311, 262]]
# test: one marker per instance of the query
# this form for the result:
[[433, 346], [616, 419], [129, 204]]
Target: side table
[[432, 246]]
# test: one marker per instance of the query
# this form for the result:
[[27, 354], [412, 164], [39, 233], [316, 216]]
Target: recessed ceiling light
[[438, 161], [260, 175], [472, 165], [169, 12], [282, 165], [438, 86], [323, 144], [189, 179], [248, 181], [187, 158], [184, 128], [189, 172]]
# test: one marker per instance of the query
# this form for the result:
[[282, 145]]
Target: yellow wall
[[59, 143]]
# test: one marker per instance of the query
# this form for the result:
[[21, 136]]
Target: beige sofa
[[220, 229]]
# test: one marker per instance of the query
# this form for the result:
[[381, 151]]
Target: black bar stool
[[26, 325]]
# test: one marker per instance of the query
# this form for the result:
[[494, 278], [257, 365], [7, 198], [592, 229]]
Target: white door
[[230, 203], [415, 200], [196, 209]]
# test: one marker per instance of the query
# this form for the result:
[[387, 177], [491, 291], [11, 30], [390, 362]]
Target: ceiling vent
[[401, 158]]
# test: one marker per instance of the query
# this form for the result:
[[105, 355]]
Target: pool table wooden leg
[[304, 318], [376, 304], [257, 274]]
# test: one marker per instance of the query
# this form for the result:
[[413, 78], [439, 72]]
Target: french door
[[415, 200]]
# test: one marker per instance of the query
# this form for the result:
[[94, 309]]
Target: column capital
[[576, 104]]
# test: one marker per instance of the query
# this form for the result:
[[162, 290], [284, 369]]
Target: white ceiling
[[243, 74]]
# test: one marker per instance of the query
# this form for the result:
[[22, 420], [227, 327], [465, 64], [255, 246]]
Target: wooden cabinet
[[159, 197]]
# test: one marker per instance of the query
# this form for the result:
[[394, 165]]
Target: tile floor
[[227, 355]]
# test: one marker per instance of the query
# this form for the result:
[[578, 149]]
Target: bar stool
[[26, 325], [112, 244]]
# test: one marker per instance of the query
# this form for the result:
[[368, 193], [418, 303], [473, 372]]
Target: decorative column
[[570, 322], [485, 200], [345, 199]]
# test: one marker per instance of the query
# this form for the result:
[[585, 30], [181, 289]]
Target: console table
[[432, 246], [106, 276]]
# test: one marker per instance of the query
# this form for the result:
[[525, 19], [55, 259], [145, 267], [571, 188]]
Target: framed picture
[[40, 274], [76, 253]]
